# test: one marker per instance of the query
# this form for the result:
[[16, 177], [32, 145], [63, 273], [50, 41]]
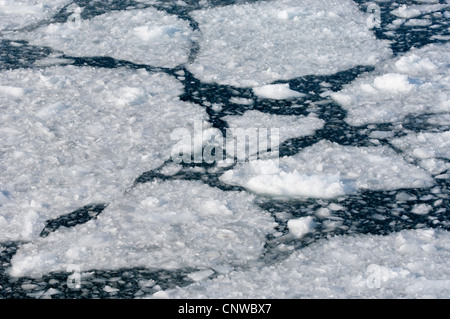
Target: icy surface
[[276, 40], [165, 225], [328, 170], [408, 264], [400, 88], [277, 92], [94, 96], [65, 133], [16, 14], [143, 36]]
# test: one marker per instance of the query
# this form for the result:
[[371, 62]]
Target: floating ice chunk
[[200, 275], [241, 100], [406, 12], [328, 170], [439, 119], [277, 92], [416, 83], [16, 14], [190, 225], [366, 266], [434, 166], [415, 65], [421, 209], [292, 185], [73, 136], [12, 91], [301, 226], [393, 83], [141, 36], [418, 22], [255, 44]]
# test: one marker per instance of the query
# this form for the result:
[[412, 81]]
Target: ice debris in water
[[16, 14], [400, 88], [407, 264]]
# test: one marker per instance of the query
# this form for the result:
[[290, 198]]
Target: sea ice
[[425, 145], [73, 136], [145, 36], [300, 226], [326, 170], [287, 126], [255, 44], [165, 225], [16, 14], [277, 92], [415, 83], [407, 264]]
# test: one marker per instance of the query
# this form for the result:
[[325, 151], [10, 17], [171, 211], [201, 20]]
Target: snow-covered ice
[[145, 36], [327, 170], [16, 14], [166, 225], [288, 126], [425, 145], [256, 44], [413, 84], [75, 134], [65, 133], [277, 92], [300, 226], [407, 264]]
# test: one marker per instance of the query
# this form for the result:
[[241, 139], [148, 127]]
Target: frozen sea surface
[[101, 99]]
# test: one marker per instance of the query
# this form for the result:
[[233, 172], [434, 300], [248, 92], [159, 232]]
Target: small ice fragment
[[421, 209], [277, 92], [301, 226], [200, 275]]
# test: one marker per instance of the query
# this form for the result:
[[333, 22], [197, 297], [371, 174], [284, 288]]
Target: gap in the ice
[[368, 212], [404, 37], [79, 216]]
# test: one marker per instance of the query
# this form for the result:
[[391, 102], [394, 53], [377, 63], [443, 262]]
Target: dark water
[[374, 212]]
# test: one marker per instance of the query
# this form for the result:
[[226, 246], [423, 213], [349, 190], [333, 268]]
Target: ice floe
[[407, 264], [146, 36], [73, 136], [327, 170], [166, 225], [288, 126], [413, 84], [16, 14], [256, 44]]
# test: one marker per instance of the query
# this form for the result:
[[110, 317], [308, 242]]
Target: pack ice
[[407, 264], [414, 84], [327, 170], [65, 133], [256, 44], [16, 14], [145, 36], [164, 225]]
